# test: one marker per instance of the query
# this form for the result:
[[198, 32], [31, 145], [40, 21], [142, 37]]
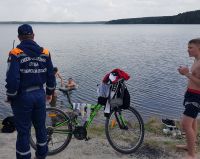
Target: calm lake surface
[[151, 54]]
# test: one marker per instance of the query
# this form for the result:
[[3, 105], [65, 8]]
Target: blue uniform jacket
[[29, 65]]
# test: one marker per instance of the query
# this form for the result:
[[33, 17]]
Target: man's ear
[[19, 38]]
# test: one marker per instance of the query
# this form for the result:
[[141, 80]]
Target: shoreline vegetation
[[190, 17], [156, 145]]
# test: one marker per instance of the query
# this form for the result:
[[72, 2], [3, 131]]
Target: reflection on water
[[149, 53]]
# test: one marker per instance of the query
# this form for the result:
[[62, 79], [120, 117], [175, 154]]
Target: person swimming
[[71, 84]]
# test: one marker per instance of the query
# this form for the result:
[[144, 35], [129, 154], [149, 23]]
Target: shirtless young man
[[192, 97], [70, 84]]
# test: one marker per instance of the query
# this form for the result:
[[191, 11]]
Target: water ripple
[[149, 53]]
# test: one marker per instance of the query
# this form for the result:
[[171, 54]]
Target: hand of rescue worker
[[183, 70], [48, 98], [8, 100]]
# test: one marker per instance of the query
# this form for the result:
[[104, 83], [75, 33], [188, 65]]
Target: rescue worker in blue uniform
[[29, 68]]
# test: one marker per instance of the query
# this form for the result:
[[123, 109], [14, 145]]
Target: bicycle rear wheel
[[125, 130], [59, 131]]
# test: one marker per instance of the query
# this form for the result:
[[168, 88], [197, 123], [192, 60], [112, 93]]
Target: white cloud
[[90, 10]]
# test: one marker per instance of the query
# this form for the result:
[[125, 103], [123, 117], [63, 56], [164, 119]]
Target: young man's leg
[[187, 124], [194, 127]]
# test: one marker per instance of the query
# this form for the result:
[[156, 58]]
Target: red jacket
[[119, 75]]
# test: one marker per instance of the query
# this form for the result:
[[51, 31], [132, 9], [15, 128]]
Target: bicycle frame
[[94, 110], [120, 119]]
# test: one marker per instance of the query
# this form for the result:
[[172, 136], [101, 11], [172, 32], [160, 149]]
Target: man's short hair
[[195, 41]]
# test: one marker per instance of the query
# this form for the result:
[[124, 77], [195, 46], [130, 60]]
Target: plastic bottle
[[74, 106], [82, 109], [88, 111], [78, 106]]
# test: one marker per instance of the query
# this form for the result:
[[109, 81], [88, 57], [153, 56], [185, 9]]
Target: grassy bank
[[156, 144], [154, 139]]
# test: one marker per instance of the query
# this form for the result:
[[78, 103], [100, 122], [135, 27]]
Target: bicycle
[[124, 128]]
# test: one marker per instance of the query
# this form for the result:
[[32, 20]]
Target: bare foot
[[184, 147]]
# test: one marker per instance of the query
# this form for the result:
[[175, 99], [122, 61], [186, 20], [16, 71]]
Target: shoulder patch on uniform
[[16, 51], [45, 51]]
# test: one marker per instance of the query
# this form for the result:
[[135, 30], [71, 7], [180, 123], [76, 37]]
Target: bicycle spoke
[[125, 131], [59, 131]]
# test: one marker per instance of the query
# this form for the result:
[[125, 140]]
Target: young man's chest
[[195, 69]]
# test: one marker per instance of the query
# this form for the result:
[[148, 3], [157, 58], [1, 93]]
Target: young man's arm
[[61, 79], [185, 72], [193, 78]]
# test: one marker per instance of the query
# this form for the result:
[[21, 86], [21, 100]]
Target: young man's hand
[[48, 98], [183, 70], [8, 100]]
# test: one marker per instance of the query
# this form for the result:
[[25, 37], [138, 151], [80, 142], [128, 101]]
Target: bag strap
[[117, 87], [121, 87]]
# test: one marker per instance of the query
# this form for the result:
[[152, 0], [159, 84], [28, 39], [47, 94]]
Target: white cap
[[112, 77]]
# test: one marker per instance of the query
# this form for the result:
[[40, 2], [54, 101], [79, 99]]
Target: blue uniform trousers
[[29, 107]]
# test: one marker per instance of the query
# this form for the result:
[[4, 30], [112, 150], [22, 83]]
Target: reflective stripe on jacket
[[29, 65]]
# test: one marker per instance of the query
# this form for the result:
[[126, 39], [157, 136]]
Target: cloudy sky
[[90, 10]]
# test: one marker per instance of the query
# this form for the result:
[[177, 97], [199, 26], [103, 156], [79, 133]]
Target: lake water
[[151, 54]]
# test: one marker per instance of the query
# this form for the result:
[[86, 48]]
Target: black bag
[[8, 125], [126, 99], [102, 100], [121, 98]]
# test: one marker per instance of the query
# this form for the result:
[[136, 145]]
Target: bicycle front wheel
[[59, 131], [125, 130]]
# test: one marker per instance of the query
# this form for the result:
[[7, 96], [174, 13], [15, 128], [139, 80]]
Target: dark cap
[[25, 29]]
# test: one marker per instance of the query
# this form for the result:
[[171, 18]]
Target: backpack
[[116, 94], [121, 97], [8, 125]]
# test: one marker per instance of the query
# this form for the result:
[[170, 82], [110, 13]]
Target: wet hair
[[195, 41], [55, 69]]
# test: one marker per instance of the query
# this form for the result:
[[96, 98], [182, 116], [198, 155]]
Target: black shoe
[[168, 122]]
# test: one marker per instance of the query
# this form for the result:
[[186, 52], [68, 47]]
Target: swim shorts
[[192, 103]]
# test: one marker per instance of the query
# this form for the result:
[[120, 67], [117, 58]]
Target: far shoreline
[[190, 17]]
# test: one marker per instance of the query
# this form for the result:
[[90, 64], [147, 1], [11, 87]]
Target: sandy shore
[[95, 148]]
